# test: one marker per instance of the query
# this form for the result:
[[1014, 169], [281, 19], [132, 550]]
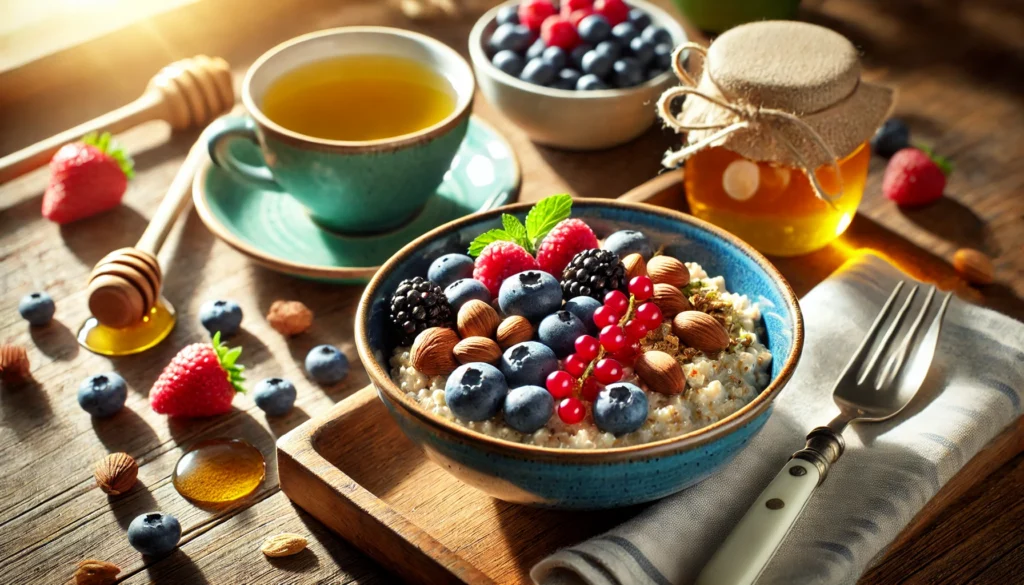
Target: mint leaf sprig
[[541, 219]]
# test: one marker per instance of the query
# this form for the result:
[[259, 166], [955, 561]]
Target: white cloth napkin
[[887, 473]]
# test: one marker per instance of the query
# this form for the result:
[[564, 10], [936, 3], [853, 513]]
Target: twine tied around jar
[[745, 115]]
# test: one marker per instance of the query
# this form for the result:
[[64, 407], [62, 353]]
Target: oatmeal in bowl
[[525, 349]]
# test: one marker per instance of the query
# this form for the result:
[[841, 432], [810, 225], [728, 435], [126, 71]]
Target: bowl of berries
[[579, 353], [580, 75]]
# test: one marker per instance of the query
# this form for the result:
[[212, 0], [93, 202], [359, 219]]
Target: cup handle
[[221, 133]]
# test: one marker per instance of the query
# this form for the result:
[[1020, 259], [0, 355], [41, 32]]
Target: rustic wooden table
[[960, 70]]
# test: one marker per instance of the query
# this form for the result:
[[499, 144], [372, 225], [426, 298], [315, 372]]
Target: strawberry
[[915, 177], [200, 381], [86, 178]]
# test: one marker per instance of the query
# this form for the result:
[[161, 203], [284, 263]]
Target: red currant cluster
[[624, 321]]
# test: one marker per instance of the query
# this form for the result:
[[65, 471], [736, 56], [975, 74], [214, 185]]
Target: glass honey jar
[[776, 130]]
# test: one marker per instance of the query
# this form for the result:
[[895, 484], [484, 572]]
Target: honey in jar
[[776, 133]]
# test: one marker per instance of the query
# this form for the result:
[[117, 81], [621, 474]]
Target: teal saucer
[[273, 229]]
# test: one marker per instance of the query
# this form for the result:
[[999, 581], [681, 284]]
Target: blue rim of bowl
[[478, 57], [704, 435], [300, 269]]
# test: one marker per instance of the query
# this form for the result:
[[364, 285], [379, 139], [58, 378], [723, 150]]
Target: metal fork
[[870, 389]]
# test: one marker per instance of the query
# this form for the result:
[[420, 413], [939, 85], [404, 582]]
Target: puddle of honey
[[219, 472], [153, 328]]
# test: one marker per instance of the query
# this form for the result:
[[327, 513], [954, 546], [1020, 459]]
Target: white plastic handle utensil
[[753, 541]]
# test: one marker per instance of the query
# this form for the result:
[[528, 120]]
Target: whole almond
[[668, 270], [93, 572], [670, 300], [116, 473], [974, 266], [477, 319], [635, 265], [477, 349], [700, 331], [433, 351], [283, 545], [513, 330], [661, 372]]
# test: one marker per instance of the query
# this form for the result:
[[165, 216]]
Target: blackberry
[[592, 273], [417, 305]]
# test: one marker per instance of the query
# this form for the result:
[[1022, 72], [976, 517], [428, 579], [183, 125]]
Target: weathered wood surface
[[960, 68]]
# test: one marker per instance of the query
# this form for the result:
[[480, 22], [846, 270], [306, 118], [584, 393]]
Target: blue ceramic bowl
[[599, 478]]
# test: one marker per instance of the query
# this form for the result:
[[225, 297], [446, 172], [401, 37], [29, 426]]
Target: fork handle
[[754, 540]]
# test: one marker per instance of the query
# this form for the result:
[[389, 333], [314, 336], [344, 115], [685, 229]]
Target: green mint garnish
[[543, 217], [107, 145]]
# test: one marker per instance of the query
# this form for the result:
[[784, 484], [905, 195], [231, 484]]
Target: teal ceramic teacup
[[348, 186]]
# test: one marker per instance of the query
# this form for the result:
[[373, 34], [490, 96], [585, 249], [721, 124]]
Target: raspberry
[[563, 242], [533, 13], [567, 7], [615, 11], [559, 32], [577, 15], [914, 178], [500, 260]]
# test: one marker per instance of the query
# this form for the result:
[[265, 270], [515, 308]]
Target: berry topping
[[533, 13], [559, 32], [617, 301], [641, 287], [608, 371], [915, 177], [500, 260], [594, 28], [575, 364], [448, 268], [528, 363], [563, 242], [584, 307], [626, 242], [475, 391], [590, 389], [620, 408], [200, 381], [613, 338], [593, 273], [560, 384], [532, 294], [649, 314], [590, 82], [511, 37], [587, 347], [417, 305], [577, 16], [462, 291], [538, 71], [605, 316], [615, 11], [635, 329], [571, 410], [559, 331], [528, 408], [569, 6]]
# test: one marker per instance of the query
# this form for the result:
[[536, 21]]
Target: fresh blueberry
[[475, 391], [528, 363], [656, 35], [583, 308], [154, 534], [528, 408], [509, 62], [567, 79], [892, 137], [462, 291], [620, 408], [532, 294], [37, 308], [219, 315], [274, 396], [590, 82], [450, 267], [639, 18], [559, 331], [597, 64], [594, 29], [627, 72], [326, 365], [576, 56], [102, 395], [538, 72], [555, 56], [626, 242], [642, 51], [511, 37], [624, 32], [663, 56], [508, 14], [610, 49], [536, 49]]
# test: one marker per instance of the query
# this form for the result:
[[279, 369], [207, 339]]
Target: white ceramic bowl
[[574, 120]]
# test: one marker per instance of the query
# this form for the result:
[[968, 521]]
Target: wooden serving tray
[[355, 471]]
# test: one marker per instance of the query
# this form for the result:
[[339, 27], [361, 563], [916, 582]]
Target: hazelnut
[[93, 572], [116, 473], [290, 317]]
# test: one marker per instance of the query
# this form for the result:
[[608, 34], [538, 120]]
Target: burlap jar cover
[[780, 91]]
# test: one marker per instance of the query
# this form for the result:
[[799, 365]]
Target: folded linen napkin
[[887, 473]]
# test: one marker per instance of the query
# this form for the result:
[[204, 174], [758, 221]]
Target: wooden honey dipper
[[125, 284], [190, 92]]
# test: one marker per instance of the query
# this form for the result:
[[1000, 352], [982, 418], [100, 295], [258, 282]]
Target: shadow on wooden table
[[176, 569]]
